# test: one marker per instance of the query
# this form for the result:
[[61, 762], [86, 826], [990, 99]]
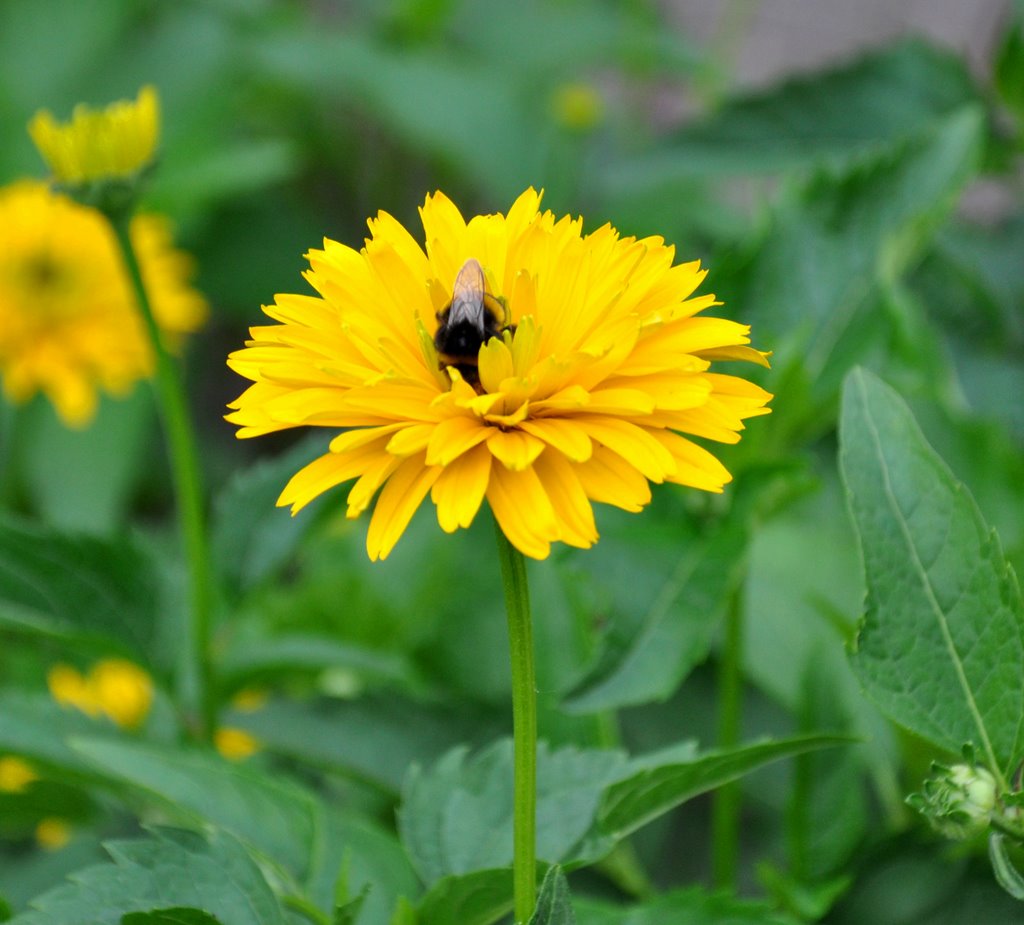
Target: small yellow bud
[[15, 774], [123, 691], [235, 744], [70, 689], [578, 107], [52, 833]]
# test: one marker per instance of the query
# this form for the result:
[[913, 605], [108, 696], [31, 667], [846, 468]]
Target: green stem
[[524, 728], [185, 471], [725, 814]]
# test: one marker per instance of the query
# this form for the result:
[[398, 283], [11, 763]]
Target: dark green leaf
[[178, 916], [647, 662], [1008, 877], [173, 869], [941, 646], [77, 588], [1009, 66], [553, 904]]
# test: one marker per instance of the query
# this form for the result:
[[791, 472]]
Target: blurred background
[[849, 173]]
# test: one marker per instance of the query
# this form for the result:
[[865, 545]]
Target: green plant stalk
[[185, 470], [524, 729], [725, 812]]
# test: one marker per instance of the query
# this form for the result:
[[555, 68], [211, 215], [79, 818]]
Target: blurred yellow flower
[[52, 833], [68, 322], [115, 688], [15, 774], [235, 744], [567, 370], [577, 106], [115, 142], [250, 699]]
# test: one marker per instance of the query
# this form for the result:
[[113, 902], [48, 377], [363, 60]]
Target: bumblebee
[[466, 323]]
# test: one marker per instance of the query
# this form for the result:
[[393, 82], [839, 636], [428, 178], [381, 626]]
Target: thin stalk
[[188, 491], [725, 812], [524, 729]]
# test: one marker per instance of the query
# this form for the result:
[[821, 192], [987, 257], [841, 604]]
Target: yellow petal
[[454, 436], [634, 444], [565, 435], [695, 466], [399, 500], [608, 478], [459, 489], [515, 449], [523, 511], [495, 364], [568, 499]]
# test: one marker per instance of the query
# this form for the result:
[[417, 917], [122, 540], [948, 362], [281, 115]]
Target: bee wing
[[468, 295]]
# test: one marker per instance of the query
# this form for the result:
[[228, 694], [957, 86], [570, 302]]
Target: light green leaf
[[173, 869], [553, 904], [941, 646], [77, 588], [478, 898], [1008, 877], [694, 906], [634, 801]]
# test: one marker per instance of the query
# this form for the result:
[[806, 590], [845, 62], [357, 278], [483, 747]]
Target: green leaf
[[457, 817], [257, 660], [1008, 877], [268, 813], [77, 588], [172, 869], [694, 906], [1009, 66], [477, 898], [177, 916], [251, 538], [647, 662], [553, 904], [383, 733], [635, 801], [282, 821], [941, 645]]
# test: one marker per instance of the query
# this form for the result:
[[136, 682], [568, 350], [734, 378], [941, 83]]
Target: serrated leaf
[[173, 869], [631, 803], [941, 645], [177, 916], [269, 813], [694, 906], [477, 898], [457, 817], [648, 662], [250, 536], [77, 588], [553, 904]]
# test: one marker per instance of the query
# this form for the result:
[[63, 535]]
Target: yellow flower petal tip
[[115, 688], [235, 744], [15, 774], [112, 143], [69, 325], [511, 359]]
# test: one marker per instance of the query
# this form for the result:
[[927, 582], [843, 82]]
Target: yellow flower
[[52, 833], [69, 326], [250, 700], [235, 744], [600, 368], [115, 688], [115, 142], [15, 774]]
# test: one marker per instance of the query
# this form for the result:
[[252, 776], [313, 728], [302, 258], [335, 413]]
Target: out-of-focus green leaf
[[553, 904], [81, 480], [77, 588], [256, 660], [647, 662], [177, 916], [457, 817], [1009, 66], [1008, 877], [250, 537], [285, 823], [941, 646], [174, 868], [477, 898], [694, 906], [376, 738]]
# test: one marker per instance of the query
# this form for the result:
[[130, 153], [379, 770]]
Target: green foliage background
[[829, 211]]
